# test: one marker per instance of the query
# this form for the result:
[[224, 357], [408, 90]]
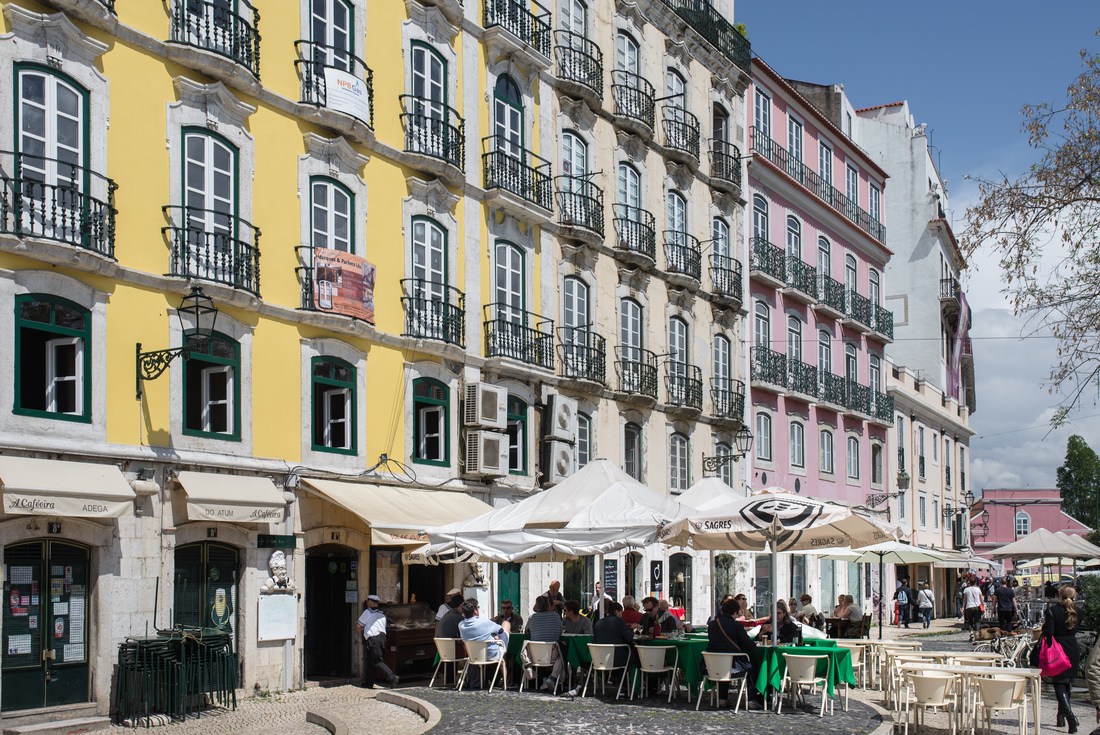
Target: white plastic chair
[[603, 660], [477, 654], [719, 666], [541, 655], [896, 683], [859, 666], [802, 673], [654, 660], [1001, 692], [931, 690], [448, 649]]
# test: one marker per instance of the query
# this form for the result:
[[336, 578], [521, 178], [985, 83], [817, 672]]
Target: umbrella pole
[[881, 565], [775, 594], [597, 600]]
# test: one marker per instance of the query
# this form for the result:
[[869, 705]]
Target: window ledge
[[56, 253], [215, 65], [347, 125]]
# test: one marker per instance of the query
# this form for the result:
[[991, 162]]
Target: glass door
[[429, 272], [428, 120], [210, 188]]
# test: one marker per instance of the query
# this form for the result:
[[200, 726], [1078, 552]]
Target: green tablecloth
[[820, 643], [515, 645], [771, 665], [691, 654], [576, 650]]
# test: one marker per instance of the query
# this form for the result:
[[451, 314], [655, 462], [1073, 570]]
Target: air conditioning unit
[[486, 453], [561, 417], [558, 461], [486, 406]]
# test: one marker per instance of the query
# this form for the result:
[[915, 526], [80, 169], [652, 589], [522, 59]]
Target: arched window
[[628, 190], [759, 217], [53, 358], [632, 450], [850, 363], [825, 451], [630, 328], [722, 357], [431, 422], [426, 111], [1023, 524], [517, 436], [850, 273], [725, 470], [575, 305], [853, 458], [794, 338], [508, 117], [720, 123], [824, 353], [794, 238], [763, 436], [876, 464], [678, 341], [332, 209], [676, 132], [626, 52], [875, 286], [762, 325], [676, 212], [798, 444], [574, 16], [333, 387], [510, 284], [574, 155], [429, 255], [720, 232], [679, 472], [823, 256], [210, 193], [875, 376]]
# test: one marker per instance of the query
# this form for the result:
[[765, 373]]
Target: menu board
[[611, 578]]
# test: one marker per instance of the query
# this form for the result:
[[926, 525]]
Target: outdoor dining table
[[691, 655], [820, 642], [970, 672], [770, 665], [576, 649]]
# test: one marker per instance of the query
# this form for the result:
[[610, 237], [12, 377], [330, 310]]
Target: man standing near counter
[[372, 624]]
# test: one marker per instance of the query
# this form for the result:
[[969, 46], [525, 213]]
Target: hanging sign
[[343, 283], [344, 92]]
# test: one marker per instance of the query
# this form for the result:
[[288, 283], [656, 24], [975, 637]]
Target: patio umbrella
[[1041, 543]]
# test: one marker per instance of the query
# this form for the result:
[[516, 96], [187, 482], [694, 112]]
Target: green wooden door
[[508, 584]]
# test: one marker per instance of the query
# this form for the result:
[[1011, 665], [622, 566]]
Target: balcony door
[[331, 33], [677, 359], [577, 321], [849, 279], [626, 53], [631, 342], [429, 271], [508, 118], [676, 223], [720, 234], [574, 17], [210, 206], [578, 209], [629, 191], [428, 121], [676, 111], [509, 283], [824, 356]]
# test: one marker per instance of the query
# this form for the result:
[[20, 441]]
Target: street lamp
[[742, 443], [201, 315]]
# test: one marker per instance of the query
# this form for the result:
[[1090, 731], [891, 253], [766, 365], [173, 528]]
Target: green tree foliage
[[1079, 482]]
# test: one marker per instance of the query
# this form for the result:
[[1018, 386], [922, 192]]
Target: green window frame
[[332, 378], [431, 422], [517, 436], [220, 354], [50, 330]]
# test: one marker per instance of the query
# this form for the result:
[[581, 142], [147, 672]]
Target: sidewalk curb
[[329, 721], [431, 714], [887, 726]]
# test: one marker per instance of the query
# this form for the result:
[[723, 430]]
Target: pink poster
[[343, 283]]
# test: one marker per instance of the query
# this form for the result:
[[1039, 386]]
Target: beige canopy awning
[[231, 498], [398, 516], [46, 487]]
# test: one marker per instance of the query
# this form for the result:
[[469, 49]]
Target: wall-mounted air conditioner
[[486, 454], [485, 406], [561, 417], [558, 461]]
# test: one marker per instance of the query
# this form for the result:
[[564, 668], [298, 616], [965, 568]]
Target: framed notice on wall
[[278, 618]]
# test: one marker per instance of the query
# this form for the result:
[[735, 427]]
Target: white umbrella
[[1041, 543]]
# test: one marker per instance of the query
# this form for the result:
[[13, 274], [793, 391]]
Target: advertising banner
[[344, 92], [343, 283]]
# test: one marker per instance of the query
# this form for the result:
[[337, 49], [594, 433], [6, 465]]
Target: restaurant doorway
[[331, 607], [580, 579], [679, 584], [634, 579]]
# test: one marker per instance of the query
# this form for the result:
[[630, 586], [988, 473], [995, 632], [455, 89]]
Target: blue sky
[[966, 68]]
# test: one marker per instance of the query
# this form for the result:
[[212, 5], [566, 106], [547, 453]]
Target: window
[[626, 53], [676, 225], [823, 255], [675, 110], [679, 471], [721, 361], [332, 210], [851, 182], [825, 453], [53, 358], [824, 353], [678, 341], [210, 204], [720, 123], [921, 511], [720, 232], [851, 273], [935, 513], [517, 436], [876, 464], [725, 470], [875, 375], [575, 302], [1023, 524], [584, 439], [431, 422], [427, 130], [429, 268], [825, 162], [935, 448], [761, 325], [875, 287], [853, 458], [333, 405], [920, 450], [574, 16], [632, 451], [794, 338], [794, 238], [675, 212], [762, 114], [947, 460], [331, 33], [574, 158], [794, 139], [211, 389], [763, 436], [510, 283], [630, 329], [759, 217], [850, 363], [875, 202], [901, 505], [798, 444], [629, 190], [900, 421], [206, 586]]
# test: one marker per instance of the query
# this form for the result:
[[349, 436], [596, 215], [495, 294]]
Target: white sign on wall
[[345, 92], [278, 618]]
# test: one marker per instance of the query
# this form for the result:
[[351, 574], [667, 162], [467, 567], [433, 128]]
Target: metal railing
[[830, 292], [227, 29], [636, 230], [683, 254], [801, 275], [519, 334], [637, 369], [109, 4], [533, 28], [580, 203], [583, 354], [684, 384], [681, 130], [214, 246], [882, 406], [859, 308], [507, 167], [858, 397], [634, 97], [768, 366], [579, 60], [950, 288], [768, 259], [433, 129], [728, 398], [831, 387], [882, 320], [725, 161], [801, 377], [824, 190], [434, 311], [55, 200], [725, 276], [314, 58], [718, 31]]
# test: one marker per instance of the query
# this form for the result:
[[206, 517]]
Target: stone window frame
[[325, 347]]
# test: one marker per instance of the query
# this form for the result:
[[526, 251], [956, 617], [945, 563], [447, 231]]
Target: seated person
[[664, 606], [507, 612], [545, 626], [574, 623], [854, 617], [727, 635], [841, 609], [610, 629], [652, 616], [474, 628], [448, 625], [445, 607], [808, 614], [788, 631], [631, 616]]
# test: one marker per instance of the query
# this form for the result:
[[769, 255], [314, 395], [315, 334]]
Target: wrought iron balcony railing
[[768, 259], [882, 320], [725, 162], [728, 398], [718, 31], [831, 387], [506, 166], [109, 4], [579, 61], [434, 311], [55, 200], [583, 354], [519, 334], [801, 275], [314, 58], [824, 190], [634, 97], [681, 130], [433, 129], [882, 406], [527, 21], [725, 276], [684, 383], [637, 370], [859, 308], [950, 288], [227, 29], [858, 397], [683, 254], [636, 230], [801, 378], [580, 203], [830, 292], [768, 366], [214, 246]]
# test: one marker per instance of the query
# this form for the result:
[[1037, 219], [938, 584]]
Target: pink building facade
[[1006, 514]]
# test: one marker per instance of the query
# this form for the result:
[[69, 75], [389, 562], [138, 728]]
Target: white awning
[[46, 487], [231, 498], [398, 516]]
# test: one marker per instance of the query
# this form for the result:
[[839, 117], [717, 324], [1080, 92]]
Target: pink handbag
[[1052, 658]]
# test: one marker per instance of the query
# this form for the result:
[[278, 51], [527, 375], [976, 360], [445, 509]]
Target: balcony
[[725, 166], [434, 311], [727, 397], [46, 199], [767, 263], [637, 234], [831, 389], [778, 156], [436, 132], [882, 408], [858, 310], [229, 30], [519, 172], [637, 369], [801, 280], [831, 297], [882, 323], [768, 367], [681, 134], [951, 297], [528, 22], [801, 378], [683, 258], [519, 335], [857, 398], [213, 246], [313, 61], [580, 66], [580, 208], [583, 355], [725, 278], [718, 32], [684, 384], [634, 102]]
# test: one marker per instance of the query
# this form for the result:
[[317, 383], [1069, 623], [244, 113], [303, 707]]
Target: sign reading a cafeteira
[[343, 283]]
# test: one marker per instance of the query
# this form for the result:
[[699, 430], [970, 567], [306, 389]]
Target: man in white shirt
[[972, 606], [372, 624]]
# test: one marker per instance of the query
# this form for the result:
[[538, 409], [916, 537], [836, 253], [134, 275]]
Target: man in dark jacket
[[448, 626], [727, 635], [904, 597]]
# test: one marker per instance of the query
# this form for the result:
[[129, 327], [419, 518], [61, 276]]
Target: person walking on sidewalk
[[904, 596], [972, 606], [372, 624], [925, 603], [1060, 623], [1006, 605]]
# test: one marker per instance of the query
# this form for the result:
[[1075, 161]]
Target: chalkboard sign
[[656, 575], [611, 578]]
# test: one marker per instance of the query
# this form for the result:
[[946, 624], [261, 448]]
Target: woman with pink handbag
[[1059, 656]]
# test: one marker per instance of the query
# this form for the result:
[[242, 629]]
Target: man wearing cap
[[372, 623], [445, 606]]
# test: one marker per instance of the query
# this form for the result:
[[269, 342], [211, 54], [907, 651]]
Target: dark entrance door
[[45, 652], [426, 584], [331, 581]]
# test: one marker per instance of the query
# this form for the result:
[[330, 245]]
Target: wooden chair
[[451, 651]]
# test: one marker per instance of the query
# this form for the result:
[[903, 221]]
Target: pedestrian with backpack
[[904, 597]]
